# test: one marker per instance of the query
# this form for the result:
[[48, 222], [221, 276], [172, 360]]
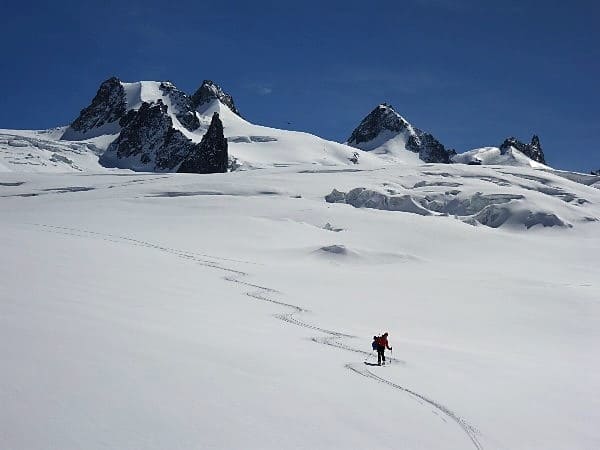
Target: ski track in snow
[[261, 293]]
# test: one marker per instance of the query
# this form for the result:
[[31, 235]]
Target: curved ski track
[[333, 338]]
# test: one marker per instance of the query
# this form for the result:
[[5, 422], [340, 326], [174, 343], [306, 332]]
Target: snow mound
[[335, 249]]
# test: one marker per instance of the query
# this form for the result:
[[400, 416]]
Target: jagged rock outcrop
[[377, 121], [595, 172], [182, 105], [533, 150], [429, 148], [209, 91], [210, 156], [108, 106], [384, 124], [148, 141]]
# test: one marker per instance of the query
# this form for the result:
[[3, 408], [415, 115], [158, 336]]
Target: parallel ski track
[[262, 293]]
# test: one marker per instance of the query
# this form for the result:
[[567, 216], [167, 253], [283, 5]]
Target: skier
[[382, 344]]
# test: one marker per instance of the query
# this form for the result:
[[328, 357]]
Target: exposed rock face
[[107, 106], [533, 151], [148, 137], [595, 172], [210, 156], [380, 119], [429, 148], [209, 91], [385, 123], [182, 105]]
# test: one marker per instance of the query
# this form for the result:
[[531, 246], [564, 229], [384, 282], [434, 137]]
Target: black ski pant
[[380, 354]]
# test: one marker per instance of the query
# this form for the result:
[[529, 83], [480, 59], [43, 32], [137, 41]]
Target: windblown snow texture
[[148, 141], [533, 150], [107, 106], [210, 156], [384, 119], [209, 91]]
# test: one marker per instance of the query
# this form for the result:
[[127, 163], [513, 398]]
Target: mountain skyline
[[471, 73]]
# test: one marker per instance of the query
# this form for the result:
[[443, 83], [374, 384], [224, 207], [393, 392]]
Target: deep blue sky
[[470, 71]]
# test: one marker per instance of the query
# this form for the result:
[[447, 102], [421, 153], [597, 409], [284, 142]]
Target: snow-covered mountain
[[385, 132], [511, 152], [153, 126]]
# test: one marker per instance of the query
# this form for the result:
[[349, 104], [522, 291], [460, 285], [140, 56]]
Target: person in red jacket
[[382, 344]]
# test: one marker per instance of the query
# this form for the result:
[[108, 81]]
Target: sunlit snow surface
[[236, 311]]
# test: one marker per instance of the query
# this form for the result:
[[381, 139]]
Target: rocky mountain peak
[[383, 117], [148, 140], [385, 123], [108, 106], [209, 91], [533, 150], [211, 155]]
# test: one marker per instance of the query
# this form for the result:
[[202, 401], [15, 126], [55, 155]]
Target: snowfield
[[235, 311]]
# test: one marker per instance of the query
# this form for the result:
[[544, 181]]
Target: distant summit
[[151, 122], [382, 118], [533, 150], [209, 91], [512, 152], [385, 131], [108, 106]]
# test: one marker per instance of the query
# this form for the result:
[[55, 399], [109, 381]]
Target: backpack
[[375, 342]]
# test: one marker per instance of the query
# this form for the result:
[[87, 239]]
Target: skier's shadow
[[371, 364]]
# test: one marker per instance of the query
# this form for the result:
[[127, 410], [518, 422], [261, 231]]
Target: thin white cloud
[[264, 90]]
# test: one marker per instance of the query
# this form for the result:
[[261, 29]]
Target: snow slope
[[391, 146], [257, 146], [43, 151], [235, 311], [494, 156]]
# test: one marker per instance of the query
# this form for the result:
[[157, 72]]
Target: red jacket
[[383, 342]]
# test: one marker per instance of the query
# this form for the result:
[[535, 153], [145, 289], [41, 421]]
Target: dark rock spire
[[210, 156]]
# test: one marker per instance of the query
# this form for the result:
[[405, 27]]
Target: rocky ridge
[[533, 150], [148, 141], [108, 106], [384, 123], [209, 91]]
